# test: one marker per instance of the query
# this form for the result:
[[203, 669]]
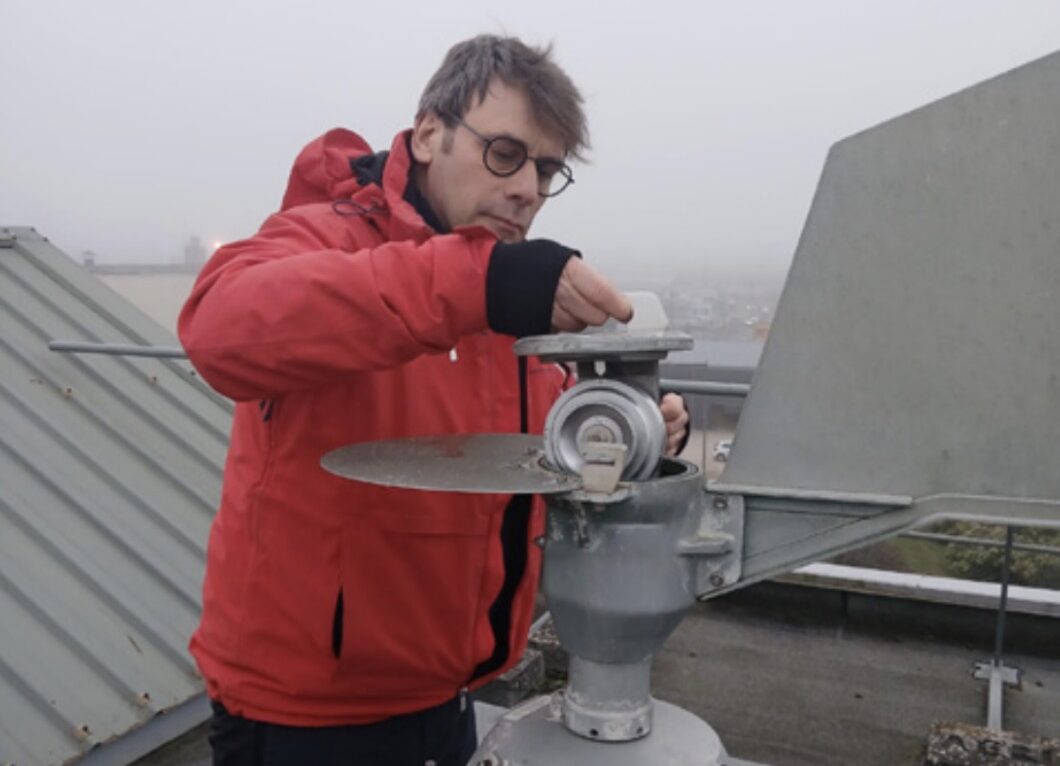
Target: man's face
[[456, 183]]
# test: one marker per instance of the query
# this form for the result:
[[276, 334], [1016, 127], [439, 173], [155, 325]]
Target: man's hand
[[584, 297], [675, 416]]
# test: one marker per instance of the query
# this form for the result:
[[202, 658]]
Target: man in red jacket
[[345, 623]]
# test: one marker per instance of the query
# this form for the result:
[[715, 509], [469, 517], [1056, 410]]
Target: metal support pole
[[116, 349], [704, 387], [1006, 567], [995, 673]]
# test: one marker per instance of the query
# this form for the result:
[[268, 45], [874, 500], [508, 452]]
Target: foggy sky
[[129, 126]]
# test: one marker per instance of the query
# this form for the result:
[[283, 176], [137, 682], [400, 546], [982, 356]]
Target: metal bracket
[[997, 677], [603, 466], [714, 546]]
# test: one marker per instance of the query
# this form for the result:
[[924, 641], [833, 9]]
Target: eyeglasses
[[504, 156]]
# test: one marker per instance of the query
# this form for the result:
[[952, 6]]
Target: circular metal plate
[[567, 346], [475, 463], [532, 733]]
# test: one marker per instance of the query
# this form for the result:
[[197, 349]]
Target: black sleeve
[[521, 285]]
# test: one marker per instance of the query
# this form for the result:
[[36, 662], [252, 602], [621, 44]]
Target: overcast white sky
[[128, 126]]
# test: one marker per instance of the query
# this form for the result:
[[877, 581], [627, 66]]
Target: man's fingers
[[675, 416], [672, 407], [677, 425], [571, 300], [589, 296], [595, 289], [562, 321]]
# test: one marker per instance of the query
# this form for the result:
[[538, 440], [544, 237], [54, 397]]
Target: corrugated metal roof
[[110, 471]]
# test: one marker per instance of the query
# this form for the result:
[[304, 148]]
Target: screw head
[[721, 502], [716, 580]]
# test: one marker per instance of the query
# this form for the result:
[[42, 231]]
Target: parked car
[[721, 451]]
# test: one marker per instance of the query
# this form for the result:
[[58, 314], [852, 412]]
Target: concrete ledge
[[938, 590]]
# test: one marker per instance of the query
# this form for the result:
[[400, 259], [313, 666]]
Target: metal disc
[[587, 345], [475, 463]]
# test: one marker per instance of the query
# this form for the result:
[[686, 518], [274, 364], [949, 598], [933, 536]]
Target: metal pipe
[[545, 616], [999, 635], [985, 542], [996, 691], [117, 349], [705, 387], [995, 713]]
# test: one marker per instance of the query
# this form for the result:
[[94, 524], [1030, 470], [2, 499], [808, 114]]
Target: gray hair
[[471, 65]]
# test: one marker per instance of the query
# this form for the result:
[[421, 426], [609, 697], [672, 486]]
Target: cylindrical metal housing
[[606, 411], [611, 703], [614, 582]]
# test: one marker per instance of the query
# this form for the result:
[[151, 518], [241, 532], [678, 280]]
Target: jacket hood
[[341, 165], [321, 173]]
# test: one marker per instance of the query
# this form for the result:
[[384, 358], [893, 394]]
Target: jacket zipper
[[515, 531]]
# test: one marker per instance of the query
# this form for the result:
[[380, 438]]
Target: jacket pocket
[[412, 580]]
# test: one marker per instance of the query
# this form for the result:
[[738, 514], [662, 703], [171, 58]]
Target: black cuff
[[521, 285]]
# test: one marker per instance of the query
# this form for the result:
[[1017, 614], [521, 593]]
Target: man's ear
[[427, 136]]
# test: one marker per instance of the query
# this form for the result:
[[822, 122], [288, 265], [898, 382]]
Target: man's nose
[[524, 184]]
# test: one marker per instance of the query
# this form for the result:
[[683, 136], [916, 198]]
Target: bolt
[[717, 580], [721, 502]]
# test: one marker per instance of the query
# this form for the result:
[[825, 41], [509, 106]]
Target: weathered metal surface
[[608, 702], [645, 337], [533, 734], [110, 472], [477, 463], [915, 348], [603, 345], [615, 582]]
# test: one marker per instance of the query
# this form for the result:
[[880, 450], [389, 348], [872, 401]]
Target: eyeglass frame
[[563, 168]]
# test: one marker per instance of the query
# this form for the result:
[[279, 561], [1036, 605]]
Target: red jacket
[[327, 601]]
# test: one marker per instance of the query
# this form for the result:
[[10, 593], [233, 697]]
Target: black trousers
[[439, 736]]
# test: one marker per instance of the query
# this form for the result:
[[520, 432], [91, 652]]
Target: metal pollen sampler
[[620, 517]]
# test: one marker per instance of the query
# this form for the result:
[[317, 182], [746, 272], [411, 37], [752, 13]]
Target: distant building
[[88, 258], [194, 253]]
